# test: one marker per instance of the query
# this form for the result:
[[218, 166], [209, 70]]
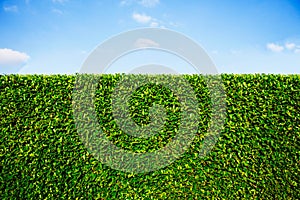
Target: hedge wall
[[256, 156]]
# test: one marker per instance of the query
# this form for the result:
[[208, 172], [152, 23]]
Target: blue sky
[[56, 36]]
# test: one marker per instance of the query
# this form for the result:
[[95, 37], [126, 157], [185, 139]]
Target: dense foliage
[[256, 156]]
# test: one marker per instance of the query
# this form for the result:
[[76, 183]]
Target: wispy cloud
[[9, 58], [60, 1], [148, 3], [290, 46], [125, 2], [141, 18], [144, 42], [57, 11], [147, 20], [275, 47], [144, 3], [12, 8], [154, 24]]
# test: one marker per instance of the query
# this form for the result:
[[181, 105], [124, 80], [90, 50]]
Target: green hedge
[[256, 156]]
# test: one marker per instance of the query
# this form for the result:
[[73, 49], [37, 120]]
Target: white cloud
[[9, 58], [145, 19], [12, 8], [275, 47], [141, 18], [148, 3], [154, 24], [297, 50], [144, 42], [144, 3], [290, 46]]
